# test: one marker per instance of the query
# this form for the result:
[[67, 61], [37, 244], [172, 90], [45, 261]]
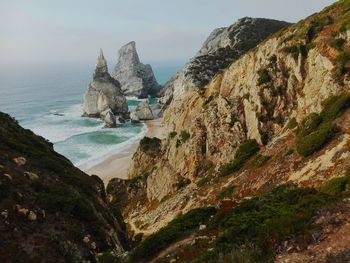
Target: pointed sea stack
[[136, 79], [104, 98]]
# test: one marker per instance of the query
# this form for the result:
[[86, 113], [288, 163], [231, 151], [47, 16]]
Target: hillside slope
[[51, 211], [289, 95]]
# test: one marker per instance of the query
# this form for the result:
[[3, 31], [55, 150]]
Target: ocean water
[[48, 100]]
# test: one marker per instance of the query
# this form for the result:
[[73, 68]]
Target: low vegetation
[[150, 145], [255, 227], [183, 182], [316, 130], [246, 150], [226, 192], [338, 43], [260, 160], [315, 141], [176, 229], [338, 186], [184, 135], [264, 76], [292, 123]]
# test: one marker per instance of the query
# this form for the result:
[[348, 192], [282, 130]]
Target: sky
[[45, 32]]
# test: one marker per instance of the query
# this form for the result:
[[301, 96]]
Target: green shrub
[[107, 257], [231, 167], [67, 200], [264, 76], [292, 123], [184, 136], [289, 151], [315, 141], [338, 43], [280, 89], [226, 192], [246, 150], [170, 233], [342, 60], [336, 186], [203, 181], [297, 49], [279, 120], [317, 26], [309, 124], [334, 106], [183, 182], [150, 145], [267, 220], [260, 160], [173, 134]]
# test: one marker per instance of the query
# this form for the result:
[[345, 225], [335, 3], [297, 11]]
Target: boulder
[[134, 117], [20, 161], [104, 94], [109, 118], [136, 79], [32, 216], [142, 112], [31, 176]]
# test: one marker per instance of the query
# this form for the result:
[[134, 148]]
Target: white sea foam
[[99, 155]]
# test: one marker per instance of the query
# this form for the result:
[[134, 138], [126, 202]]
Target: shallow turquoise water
[[49, 102]]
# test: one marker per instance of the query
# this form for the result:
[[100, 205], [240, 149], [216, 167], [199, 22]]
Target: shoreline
[[117, 165]]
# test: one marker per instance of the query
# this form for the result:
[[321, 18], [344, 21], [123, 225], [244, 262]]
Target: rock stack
[[143, 112], [136, 79], [104, 98]]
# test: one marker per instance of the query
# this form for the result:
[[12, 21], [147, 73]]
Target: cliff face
[[104, 97], [281, 81], [222, 47], [136, 79], [51, 211]]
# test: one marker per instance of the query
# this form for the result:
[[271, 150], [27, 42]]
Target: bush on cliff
[[170, 233], [261, 223], [246, 150], [335, 106], [150, 145], [315, 141]]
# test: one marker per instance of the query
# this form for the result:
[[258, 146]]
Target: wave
[[103, 153]]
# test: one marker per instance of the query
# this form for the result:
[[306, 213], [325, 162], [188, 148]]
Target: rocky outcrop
[[142, 112], [136, 79], [104, 97], [222, 47], [287, 76]]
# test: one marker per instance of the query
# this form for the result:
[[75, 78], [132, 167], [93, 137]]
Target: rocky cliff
[[137, 79], [104, 97], [278, 114], [50, 211], [222, 47]]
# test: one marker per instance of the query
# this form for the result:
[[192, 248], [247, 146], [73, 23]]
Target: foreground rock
[[104, 98], [136, 79], [45, 218], [143, 112], [222, 47]]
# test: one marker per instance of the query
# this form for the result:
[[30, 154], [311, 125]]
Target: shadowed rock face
[[50, 211], [222, 47], [136, 79], [104, 93]]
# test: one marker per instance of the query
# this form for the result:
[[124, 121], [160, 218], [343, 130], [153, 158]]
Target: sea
[[48, 100]]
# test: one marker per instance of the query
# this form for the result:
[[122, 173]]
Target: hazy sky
[[59, 31]]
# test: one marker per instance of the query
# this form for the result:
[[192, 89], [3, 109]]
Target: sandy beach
[[117, 165]]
